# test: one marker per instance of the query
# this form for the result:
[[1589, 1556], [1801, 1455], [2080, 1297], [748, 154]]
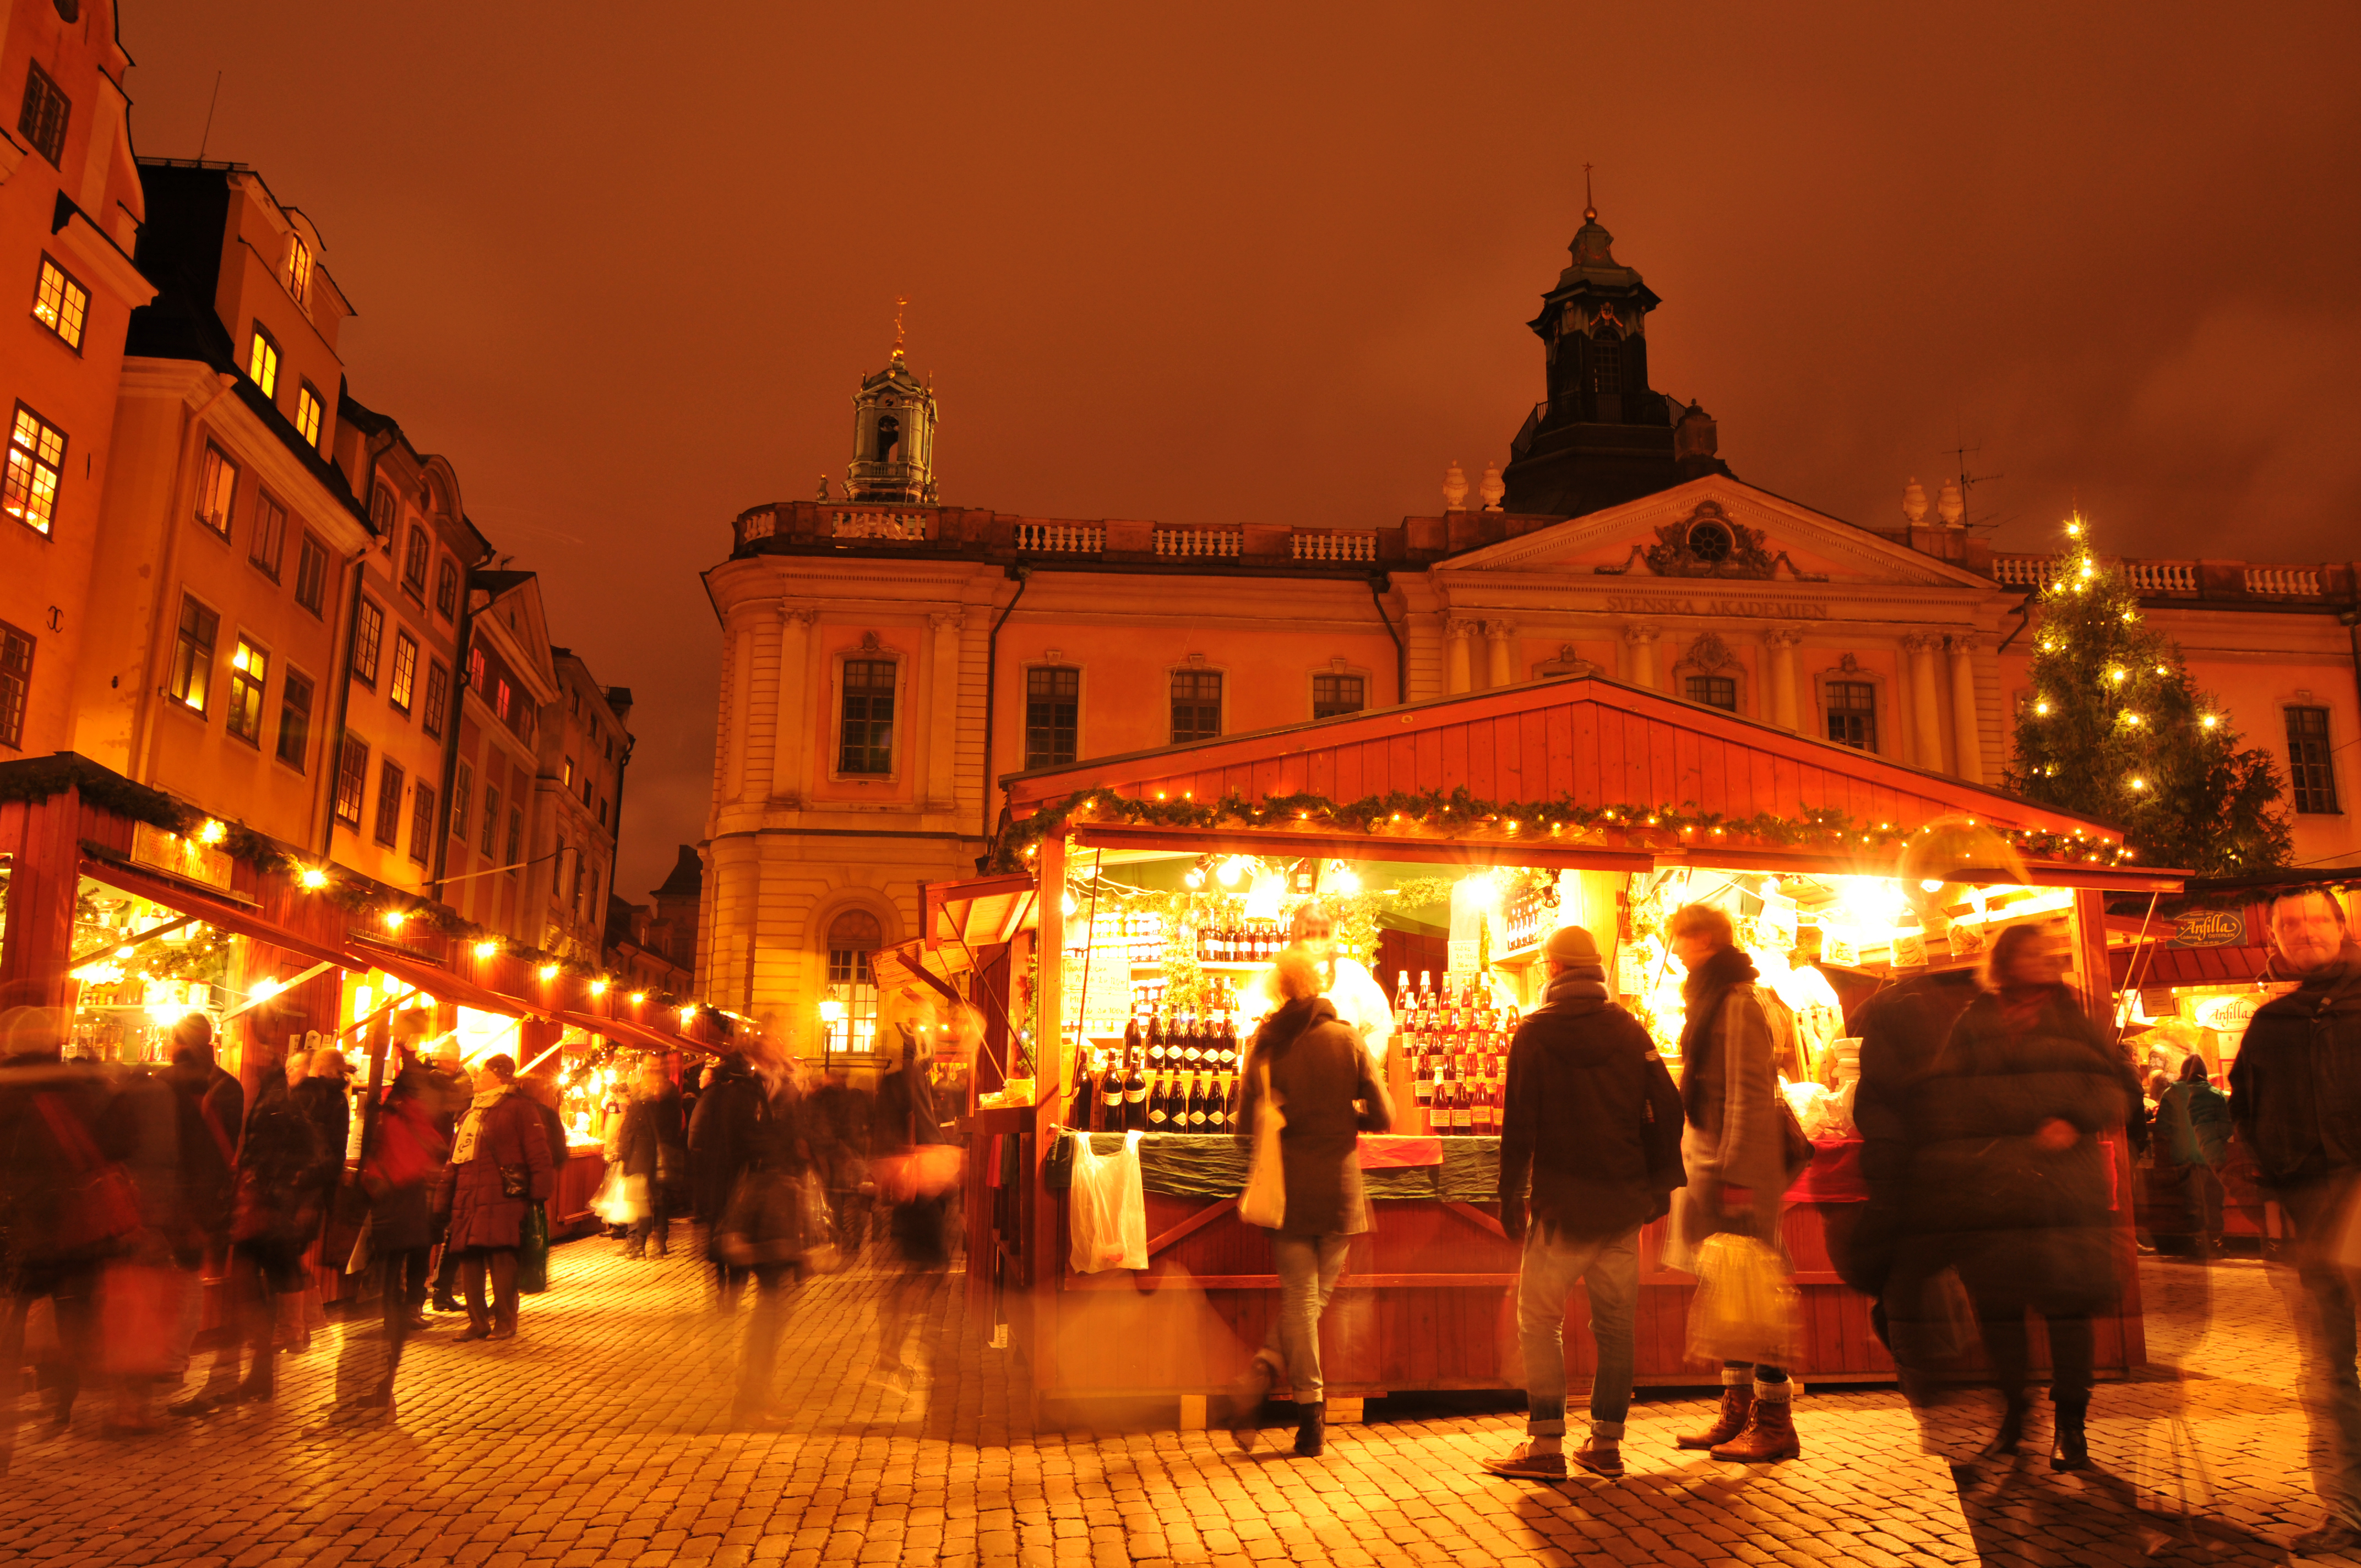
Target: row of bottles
[[1240, 942], [1120, 1096], [1185, 1041], [1455, 1045], [1528, 918], [1454, 1106]]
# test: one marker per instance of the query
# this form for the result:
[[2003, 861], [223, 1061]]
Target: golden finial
[[1589, 207], [898, 303]]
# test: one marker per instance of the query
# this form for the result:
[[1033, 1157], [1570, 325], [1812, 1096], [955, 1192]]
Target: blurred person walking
[[210, 1105], [64, 1209], [761, 1229], [2295, 1097], [2192, 1119], [540, 1219], [838, 1121], [1315, 1068], [919, 1168], [1734, 1148], [500, 1164], [723, 1140], [316, 1080], [2010, 1184], [651, 1147], [454, 1091], [1589, 1152], [138, 1286]]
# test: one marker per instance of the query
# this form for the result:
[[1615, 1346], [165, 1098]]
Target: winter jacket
[[280, 1165], [1990, 1198], [211, 1114], [402, 1165], [508, 1134], [1902, 1031], [2195, 1120], [723, 1135], [324, 1101], [2295, 1090], [1590, 1119], [1736, 1132], [1318, 1069], [651, 1126], [760, 1218], [50, 1153]]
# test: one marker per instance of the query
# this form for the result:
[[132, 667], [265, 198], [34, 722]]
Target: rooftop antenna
[[899, 302], [1589, 207], [206, 139], [1968, 482]]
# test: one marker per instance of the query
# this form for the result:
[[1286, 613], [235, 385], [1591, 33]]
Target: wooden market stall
[[1473, 826]]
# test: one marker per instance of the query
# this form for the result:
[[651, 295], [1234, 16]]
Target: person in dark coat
[[52, 1244], [316, 1080], [275, 1215], [722, 1136], [838, 1131], [910, 1146], [212, 1110], [652, 1147], [139, 1131], [454, 1090], [500, 1164], [1589, 1152], [761, 1229], [2010, 1181], [1320, 1074], [2295, 1099], [2192, 1117]]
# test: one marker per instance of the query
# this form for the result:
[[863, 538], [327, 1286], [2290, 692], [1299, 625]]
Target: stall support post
[[37, 941], [2097, 977], [1047, 1262]]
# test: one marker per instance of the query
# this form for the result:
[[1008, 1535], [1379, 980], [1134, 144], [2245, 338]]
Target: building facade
[[70, 206], [576, 802], [887, 661]]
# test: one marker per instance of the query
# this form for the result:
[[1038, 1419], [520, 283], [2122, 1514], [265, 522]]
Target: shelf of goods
[[1441, 925]]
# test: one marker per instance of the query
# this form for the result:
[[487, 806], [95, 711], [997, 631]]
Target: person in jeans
[[500, 1164], [2296, 1101], [1321, 1075], [1589, 1152], [1734, 1147]]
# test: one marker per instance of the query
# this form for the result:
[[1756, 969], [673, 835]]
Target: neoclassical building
[[888, 658]]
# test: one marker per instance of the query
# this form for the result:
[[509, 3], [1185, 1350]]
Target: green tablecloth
[[1193, 1165]]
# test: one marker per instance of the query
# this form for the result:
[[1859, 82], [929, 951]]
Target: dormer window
[[307, 413], [299, 269], [262, 363], [42, 121]]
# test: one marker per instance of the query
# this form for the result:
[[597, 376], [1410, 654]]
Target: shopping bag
[[620, 1199], [138, 1306], [821, 1255], [926, 1171], [533, 1251], [1106, 1211], [358, 1261], [1264, 1201], [1745, 1308]]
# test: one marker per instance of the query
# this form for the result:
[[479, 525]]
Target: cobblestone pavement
[[600, 1437]]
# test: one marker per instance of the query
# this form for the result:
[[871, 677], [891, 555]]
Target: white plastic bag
[[1108, 1216], [621, 1198], [1746, 1309]]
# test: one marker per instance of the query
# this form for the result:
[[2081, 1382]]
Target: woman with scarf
[[2008, 1181], [1734, 1150], [1315, 1068], [500, 1164]]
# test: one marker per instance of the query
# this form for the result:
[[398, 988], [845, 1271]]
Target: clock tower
[[893, 434]]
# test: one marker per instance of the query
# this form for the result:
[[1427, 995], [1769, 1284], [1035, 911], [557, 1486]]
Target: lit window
[[1053, 700], [2312, 767], [192, 654], [422, 822], [851, 938], [1852, 714], [351, 779], [369, 639], [299, 269], [15, 683], [1333, 695], [447, 589], [294, 720], [42, 121], [462, 784], [390, 780], [475, 668], [414, 563], [1714, 691], [866, 733], [1196, 705], [262, 363], [269, 539], [438, 699], [37, 455], [307, 413], [249, 673], [311, 575], [402, 684], [568, 773], [500, 698], [216, 489], [492, 820], [60, 303]]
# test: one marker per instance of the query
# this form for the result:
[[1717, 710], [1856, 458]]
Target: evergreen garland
[[2116, 728]]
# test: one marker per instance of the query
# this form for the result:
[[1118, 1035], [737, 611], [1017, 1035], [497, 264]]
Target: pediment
[[1713, 529]]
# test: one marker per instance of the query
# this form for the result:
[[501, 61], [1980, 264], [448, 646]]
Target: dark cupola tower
[[892, 435], [1603, 436]]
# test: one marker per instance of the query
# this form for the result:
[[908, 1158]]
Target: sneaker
[[1523, 1465]]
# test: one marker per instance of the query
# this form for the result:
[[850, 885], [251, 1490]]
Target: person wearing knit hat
[[1589, 1153]]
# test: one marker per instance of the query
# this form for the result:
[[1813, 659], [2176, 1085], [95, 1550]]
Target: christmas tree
[[2114, 729]]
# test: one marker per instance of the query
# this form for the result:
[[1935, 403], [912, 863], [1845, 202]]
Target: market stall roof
[[983, 912], [1586, 741], [920, 961]]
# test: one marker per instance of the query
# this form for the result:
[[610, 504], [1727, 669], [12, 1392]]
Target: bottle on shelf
[[1485, 1124], [1085, 1104], [1112, 1117], [1157, 1119], [1230, 1108], [1421, 1086], [1155, 1040], [1135, 1098], [1217, 1111]]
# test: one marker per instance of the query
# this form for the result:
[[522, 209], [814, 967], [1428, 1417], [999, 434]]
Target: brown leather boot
[[1737, 1401], [1770, 1429]]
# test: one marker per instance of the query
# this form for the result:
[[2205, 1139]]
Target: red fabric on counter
[[1833, 1176], [1399, 1151]]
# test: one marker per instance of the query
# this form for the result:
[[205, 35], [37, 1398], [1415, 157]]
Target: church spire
[[893, 432]]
